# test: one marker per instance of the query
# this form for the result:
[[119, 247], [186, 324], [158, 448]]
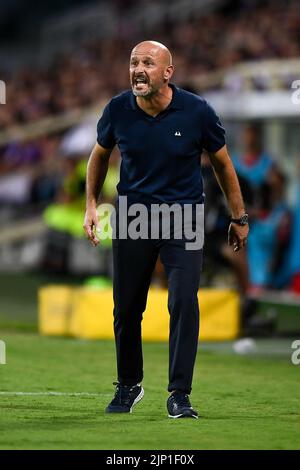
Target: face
[[148, 71], [251, 138]]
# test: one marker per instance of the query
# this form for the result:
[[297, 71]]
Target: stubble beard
[[152, 90], [144, 94]]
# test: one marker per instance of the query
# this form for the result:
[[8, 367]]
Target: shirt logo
[[178, 133]]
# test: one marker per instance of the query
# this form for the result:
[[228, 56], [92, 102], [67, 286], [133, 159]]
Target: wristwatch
[[242, 220]]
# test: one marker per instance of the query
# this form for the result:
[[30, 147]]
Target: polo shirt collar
[[176, 102]]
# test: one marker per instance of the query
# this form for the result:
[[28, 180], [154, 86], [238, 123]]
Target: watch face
[[244, 219]]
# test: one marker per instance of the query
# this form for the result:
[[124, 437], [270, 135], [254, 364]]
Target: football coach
[[161, 131]]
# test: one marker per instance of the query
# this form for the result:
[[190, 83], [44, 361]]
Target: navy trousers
[[134, 262]]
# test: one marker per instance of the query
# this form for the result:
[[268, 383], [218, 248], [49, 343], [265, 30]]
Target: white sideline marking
[[55, 394]]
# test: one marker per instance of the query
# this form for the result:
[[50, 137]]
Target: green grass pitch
[[245, 402]]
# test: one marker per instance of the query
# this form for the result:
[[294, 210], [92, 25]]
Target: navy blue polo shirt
[[161, 155]]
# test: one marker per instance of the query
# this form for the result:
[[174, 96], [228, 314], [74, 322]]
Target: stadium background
[[61, 62]]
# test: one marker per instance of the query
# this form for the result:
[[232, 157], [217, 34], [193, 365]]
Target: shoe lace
[[122, 394], [182, 399]]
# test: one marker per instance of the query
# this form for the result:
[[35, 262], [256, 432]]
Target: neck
[[156, 103]]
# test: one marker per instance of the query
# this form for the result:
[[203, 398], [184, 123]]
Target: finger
[[90, 234], [233, 238], [95, 224], [93, 238], [237, 244], [243, 241], [231, 235], [236, 247], [95, 241], [88, 229], [95, 228]]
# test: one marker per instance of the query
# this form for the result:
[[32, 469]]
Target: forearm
[[228, 182], [96, 173]]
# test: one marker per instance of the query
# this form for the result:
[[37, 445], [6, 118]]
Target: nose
[[139, 68]]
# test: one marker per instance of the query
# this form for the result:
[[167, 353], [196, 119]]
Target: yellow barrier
[[87, 313], [55, 309]]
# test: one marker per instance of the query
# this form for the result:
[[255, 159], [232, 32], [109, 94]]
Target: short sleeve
[[105, 134], [214, 132]]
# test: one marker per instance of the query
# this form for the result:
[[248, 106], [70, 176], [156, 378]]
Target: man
[[161, 131], [253, 164]]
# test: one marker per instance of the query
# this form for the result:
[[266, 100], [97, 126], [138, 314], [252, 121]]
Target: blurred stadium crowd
[[41, 174], [200, 45]]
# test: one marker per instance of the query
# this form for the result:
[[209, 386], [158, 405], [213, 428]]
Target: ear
[[168, 72]]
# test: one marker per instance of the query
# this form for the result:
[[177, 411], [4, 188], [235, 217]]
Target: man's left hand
[[237, 235]]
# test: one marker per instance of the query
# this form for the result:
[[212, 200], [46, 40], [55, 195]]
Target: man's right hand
[[90, 224]]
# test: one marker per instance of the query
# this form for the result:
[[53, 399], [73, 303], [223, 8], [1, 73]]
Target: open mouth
[[140, 81]]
